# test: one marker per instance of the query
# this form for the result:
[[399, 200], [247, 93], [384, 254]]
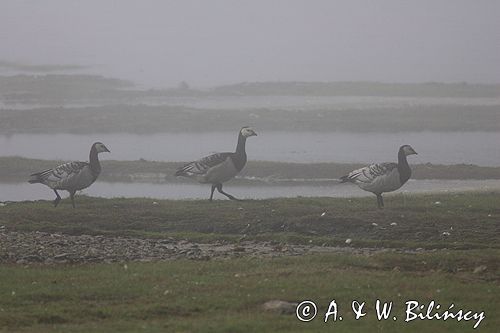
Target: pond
[[25, 191]]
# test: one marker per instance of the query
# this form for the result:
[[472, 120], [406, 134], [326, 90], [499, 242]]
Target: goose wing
[[60, 174], [203, 165], [370, 173]]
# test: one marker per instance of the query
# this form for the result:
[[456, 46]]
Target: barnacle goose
[[220, 167], [71, 176], [383, 177]]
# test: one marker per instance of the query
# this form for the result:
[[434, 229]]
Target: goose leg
[[72, 196], [219, 188], [58, 198], [212, 193], [380, 201]]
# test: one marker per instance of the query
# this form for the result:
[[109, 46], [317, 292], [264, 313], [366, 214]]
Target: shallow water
[[480, 148], [25, 191]]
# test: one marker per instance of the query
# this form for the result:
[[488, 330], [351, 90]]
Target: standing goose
[[72, 176], [220, 167], [383, 177]]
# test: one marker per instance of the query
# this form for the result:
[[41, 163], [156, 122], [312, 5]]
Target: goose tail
[[35, 178], [345, 179], [181, 171], [185, 170]]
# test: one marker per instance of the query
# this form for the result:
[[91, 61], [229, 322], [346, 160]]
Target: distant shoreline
[[144, 119], [17, 169], [96, 104]]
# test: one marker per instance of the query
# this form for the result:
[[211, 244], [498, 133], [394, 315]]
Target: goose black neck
[[403, 167], [240, 156], [240, 147], [95, 166]]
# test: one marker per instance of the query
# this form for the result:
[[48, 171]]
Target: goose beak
[[253, 134], [107, 150]]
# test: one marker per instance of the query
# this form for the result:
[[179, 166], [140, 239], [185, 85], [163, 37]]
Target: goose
[[383, 177], [71, 176], [220, 167]]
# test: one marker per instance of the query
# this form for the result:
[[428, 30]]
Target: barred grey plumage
[[220, 167], [71, 176], [383, 177]]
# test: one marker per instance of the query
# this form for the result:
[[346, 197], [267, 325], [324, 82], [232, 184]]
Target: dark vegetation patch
[[438, 220]]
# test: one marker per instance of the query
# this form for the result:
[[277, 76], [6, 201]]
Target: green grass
[[226, 295], [470, 219]]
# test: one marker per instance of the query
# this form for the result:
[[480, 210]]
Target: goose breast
[[385, 182], [221, 172]]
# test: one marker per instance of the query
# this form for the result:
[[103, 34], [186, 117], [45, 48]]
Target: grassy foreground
[[227, 296], [461, 266]]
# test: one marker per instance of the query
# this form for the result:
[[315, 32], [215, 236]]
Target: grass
[[471, 220], [227, 295]]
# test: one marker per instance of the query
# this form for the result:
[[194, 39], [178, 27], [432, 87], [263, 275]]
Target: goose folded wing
[[369, 173], [63, 171], [202, 165]]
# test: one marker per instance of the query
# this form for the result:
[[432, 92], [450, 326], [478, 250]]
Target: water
[[25, 191], [480, 148]]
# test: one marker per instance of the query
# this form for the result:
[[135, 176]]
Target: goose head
[[407, 150], [100, 147], [247, 132]]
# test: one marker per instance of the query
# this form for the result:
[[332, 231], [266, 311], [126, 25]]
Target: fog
[[328, 85], [207, 43]]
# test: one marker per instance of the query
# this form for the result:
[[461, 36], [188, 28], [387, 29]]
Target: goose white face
[[247, 131], [101, 148], [408, 150]]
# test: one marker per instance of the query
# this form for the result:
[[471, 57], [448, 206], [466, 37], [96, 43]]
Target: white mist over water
[[479, 148]]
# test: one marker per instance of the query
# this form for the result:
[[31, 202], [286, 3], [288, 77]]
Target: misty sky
[[206, 43]]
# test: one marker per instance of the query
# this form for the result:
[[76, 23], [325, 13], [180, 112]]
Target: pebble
[[281, 307], [480, 269]]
